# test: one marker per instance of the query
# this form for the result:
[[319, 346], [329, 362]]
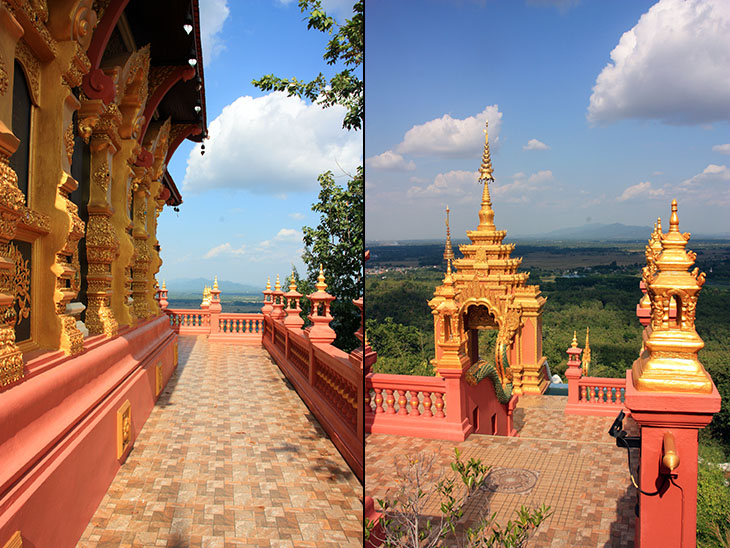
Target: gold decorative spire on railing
[[277, 286], [292, 283], [163, 284], [574, 344], [586, 362], [215, 282], [320, 285], [448, 250], [486, 213], [669, 362]]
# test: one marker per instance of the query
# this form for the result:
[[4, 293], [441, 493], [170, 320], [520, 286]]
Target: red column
[[278, 305], [215, 307], [668, 519], [574, 372], [320, 330]]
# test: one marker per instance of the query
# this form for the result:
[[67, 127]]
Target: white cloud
[[271, 145], [225, 249], [672, 66], [709, 187], [213, 13], [643, 189], [452, 137], [390, 160], [722, 149], [288, 235], [522, 186], [452, 185], [297, 216], [534, 144]]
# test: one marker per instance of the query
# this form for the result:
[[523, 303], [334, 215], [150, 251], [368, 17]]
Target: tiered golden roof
[[669, 361], [487, 261]]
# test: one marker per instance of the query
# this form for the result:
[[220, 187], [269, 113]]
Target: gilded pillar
[[102, 242], [11, 202], [141, 249]]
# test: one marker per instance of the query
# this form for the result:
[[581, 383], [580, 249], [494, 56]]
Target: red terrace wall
[[58, 432]]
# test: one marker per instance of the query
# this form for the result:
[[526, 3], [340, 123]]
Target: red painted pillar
[[574, 372], [668, 519], [215, 307], [293, 320], [163, 296], [320, 330], [278, 305], [267, 308]]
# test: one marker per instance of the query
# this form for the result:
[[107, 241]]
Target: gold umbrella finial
[[293, 283], [486, 213], [277, 286], [574, 344], [448, 250], [215, 282], [674, 219], [320, 285]]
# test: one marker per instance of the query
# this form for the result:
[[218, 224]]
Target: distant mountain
[[596, 231], [196, 285]]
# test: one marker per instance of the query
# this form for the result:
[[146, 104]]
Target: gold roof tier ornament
[[484, 290], [669, 362], [448, 250]]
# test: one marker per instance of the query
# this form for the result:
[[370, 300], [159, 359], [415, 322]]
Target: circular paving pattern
[[510, 480]]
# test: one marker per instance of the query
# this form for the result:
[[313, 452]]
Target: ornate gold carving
[[31, 67], [16, 541], [124, 428], [35, 220], [16, 281], [3, 77], [158, 379], [84, 22], [669, 362], [158, 76], [68, 140], [100, 7], [101, 177], [77, 68], [72, 340]]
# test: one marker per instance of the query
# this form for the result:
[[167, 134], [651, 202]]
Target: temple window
[[22, 110], [81, 172]]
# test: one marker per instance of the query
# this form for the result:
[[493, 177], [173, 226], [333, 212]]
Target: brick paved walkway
[[579, 472], [229, 457]]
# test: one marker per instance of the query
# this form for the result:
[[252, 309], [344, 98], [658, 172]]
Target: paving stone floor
[[575, 466], [229, 457]]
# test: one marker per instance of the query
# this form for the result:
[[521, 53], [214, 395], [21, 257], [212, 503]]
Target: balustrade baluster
[[402, 402], [583, 394], [427, 404], [414, 403], [389, 402], [440, 405]]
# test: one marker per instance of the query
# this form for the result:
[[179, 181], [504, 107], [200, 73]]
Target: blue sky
[[599, 112], [246, 200]]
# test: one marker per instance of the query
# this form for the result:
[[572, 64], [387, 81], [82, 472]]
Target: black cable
[[628, 454]]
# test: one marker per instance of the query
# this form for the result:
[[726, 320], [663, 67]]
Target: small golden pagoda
[[669, 360], [489, 293]]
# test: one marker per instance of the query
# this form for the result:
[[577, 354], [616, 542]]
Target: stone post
[[278, 306], [163, 296], [670, 396], [293, 320], [215, 307], [574, 371], [320, 330], [267, 308]]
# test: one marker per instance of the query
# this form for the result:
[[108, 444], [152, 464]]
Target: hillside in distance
[[195, 286]]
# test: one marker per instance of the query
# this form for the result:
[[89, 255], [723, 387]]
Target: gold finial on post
[[268, 283], [320, 285], [586, 354], [163, 285], [669, 362], [215, 282], [448, 250], [277, 287], [574, 344]]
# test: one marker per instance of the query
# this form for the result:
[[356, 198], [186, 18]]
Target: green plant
[[405, 522]]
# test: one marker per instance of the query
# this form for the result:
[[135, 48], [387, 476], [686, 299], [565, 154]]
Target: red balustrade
[[327, 381], [189, 322]]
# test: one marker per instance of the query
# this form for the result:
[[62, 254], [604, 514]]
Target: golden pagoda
[[489, 293], [669, 361]]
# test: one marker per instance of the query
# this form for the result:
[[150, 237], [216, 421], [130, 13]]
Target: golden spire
[[574, 344], [448, 250], [669, 362], [586, 354], [163, 284], [486, 213], [215, 282], [277, 287], [320, 285], [268, 283]]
